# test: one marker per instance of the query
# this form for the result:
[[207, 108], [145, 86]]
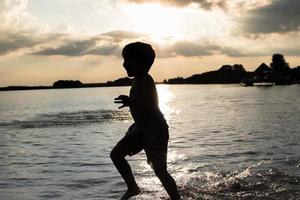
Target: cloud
[[235, 47], [205, 4], [279, 16], [189, 49], [123, 34], [65, 44], [107, 46], [106, 50], [18, 29], [13, 6], [20, 32], [193, 49], [13, 14], [69, 48], [10, 41], [80, 48], [232, 52], [109, 43]]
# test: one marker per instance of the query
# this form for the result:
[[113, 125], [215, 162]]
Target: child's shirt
[[144, 108]]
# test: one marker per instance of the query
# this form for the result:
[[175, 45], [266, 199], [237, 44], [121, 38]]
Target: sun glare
[[165, 96], [162, 23], [157, 21]]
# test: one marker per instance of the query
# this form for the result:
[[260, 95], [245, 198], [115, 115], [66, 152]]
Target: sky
[[44, 41]]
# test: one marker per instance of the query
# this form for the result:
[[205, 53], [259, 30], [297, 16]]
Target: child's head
[[138, 58]]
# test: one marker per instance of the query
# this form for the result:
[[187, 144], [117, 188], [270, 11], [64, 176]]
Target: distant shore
[[222, 76], [16, 88], [278, 73], [83, 85]]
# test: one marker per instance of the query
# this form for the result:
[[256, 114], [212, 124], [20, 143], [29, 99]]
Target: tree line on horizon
[[77, 84], [279, 72]]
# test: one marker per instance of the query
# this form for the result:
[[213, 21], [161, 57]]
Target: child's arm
[[123, 99]]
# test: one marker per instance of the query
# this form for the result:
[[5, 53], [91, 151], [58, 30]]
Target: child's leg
[[168, 182], [159, 163], [117, 155]]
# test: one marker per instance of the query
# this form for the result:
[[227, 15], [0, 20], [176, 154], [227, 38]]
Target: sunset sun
[[155, 20]]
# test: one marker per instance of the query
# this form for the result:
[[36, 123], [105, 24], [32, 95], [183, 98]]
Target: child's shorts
[[155, 146]]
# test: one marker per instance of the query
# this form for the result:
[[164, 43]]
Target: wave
[[260, 181], [69, 119], [255, 182]]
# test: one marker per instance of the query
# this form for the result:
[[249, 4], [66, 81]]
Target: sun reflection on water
[[165, 101]]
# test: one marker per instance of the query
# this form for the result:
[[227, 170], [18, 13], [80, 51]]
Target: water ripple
[[69, 119]]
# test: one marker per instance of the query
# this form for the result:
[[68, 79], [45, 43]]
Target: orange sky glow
[[43, 41]]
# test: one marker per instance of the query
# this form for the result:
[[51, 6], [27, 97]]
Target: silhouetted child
[[150, 130]]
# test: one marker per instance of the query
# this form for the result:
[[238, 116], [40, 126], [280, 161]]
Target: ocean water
[[226, 142]]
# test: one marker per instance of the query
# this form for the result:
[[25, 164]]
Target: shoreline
[[24, 88], [21, 88]]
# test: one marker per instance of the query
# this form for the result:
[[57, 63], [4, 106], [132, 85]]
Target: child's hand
[[125, 100]]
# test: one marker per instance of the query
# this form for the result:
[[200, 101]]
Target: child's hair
[[140, 51]]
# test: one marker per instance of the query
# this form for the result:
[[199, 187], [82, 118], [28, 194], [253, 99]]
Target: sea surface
[[226, 142]]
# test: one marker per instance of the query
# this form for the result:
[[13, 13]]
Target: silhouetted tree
[[120, 82], [238, 68], [226, 68], [67, 84], [178, 80], [281, 70], [279, 63], [226, 74], [296, 74]]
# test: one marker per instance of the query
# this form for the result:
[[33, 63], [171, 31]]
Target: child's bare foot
[[131, 193]]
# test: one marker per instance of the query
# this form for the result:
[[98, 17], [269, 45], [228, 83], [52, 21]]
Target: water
[[226, 142]]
